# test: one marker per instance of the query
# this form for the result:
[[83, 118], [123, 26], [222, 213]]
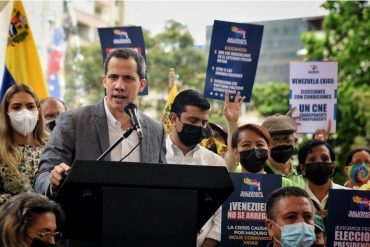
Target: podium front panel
[[149, 217]]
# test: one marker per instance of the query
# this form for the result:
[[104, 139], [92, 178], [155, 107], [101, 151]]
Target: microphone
[[131, 110]]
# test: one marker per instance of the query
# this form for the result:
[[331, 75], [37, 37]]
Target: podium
[[135, 204]]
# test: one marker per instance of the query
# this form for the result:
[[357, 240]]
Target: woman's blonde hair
[[9, 154]]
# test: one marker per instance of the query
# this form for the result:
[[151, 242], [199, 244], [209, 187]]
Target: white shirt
[[322, 204], [199, 156], [115, 132]]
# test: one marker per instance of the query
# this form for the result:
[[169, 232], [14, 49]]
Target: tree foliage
[[346, 40], [271, 98], [84, 70], [174, 48]]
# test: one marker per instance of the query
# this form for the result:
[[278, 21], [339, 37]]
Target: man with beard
[[281, 161]]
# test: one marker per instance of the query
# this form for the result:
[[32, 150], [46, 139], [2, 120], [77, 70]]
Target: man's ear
[[334, 165], [143, 83], [103, 80], [173, 117], [270, 225]]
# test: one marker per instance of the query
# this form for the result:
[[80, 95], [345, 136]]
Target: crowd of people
[[41, 140]]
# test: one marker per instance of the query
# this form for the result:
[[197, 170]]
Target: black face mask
[[319, 172], [39, 243], [191, 135], [253, 160], [282, 153], [51, 125]]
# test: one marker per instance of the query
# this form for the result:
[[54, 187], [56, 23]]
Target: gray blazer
[[82, 134]]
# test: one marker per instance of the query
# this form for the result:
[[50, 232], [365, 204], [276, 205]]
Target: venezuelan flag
[[22, 64], [167, 109]]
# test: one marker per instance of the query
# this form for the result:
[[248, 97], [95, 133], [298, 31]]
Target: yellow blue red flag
[[22, 64], [167, 108]]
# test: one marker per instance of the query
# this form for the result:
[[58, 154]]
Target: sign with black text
[[348, 218], [244, 212], [313, 92], [233, 58]]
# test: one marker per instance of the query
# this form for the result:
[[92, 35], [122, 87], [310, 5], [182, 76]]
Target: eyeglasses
[[48, 235]]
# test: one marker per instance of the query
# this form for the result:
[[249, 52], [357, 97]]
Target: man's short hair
[[189, 97], [279, 194], [126, 53], [56, 99]]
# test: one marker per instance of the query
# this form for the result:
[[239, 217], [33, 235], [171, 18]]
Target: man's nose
[[52, 240], [300, 219], [120, 84]]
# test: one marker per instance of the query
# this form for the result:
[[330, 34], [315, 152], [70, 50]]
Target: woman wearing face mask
[[22, 137], [357, 168], [316, 163], [30, 220], [251, 144]]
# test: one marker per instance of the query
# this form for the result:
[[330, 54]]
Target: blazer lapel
[[145, 142], [102, 128]]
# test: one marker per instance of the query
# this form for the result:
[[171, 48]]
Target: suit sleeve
[[162, 155], [60, 148]]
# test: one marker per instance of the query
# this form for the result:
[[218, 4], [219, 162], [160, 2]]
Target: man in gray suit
[[85, 133]]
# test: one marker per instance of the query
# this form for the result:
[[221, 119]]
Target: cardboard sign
[[313, 91], [244, 212], [348, 218], [233, 58]]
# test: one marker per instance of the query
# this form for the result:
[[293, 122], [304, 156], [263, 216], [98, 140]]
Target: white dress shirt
[[199, 156], [115, 132]]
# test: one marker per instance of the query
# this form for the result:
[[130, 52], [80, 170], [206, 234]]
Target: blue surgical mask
[[298, 234]]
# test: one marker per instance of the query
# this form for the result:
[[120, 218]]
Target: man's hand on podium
[[58, 173]]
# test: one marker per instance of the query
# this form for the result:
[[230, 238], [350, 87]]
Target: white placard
[[313, 92]]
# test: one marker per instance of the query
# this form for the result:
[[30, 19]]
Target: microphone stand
[[125, 134]]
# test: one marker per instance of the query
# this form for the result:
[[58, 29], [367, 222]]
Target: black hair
[[281, 193], [259, 130], [189, 97], [127, 53], [19, 213], [306, 147], [352, 152]]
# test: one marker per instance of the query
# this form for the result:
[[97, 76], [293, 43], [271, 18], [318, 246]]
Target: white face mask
[[24, 121]]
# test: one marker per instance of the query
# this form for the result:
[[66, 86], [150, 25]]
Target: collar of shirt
[[313, 196], [292, 171], [115, 132], [173, 150], [112, 121]]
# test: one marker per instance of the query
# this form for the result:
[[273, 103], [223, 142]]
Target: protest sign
[[233, 58], [244, 212], [122, 37], [348, 218], [313, 92]]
